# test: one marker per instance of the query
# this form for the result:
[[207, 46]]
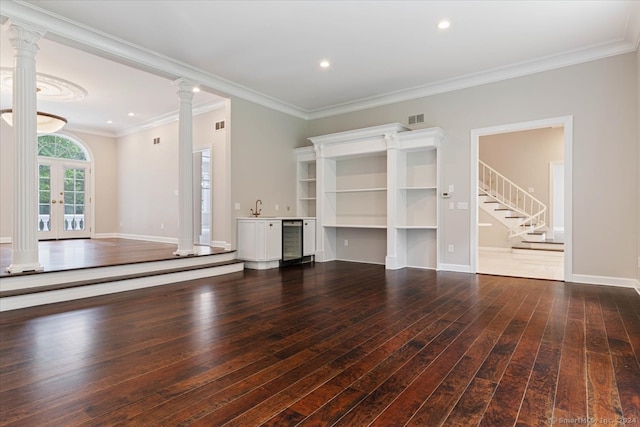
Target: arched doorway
[[64, 171]]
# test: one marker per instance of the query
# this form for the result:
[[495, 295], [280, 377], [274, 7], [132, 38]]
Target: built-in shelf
[[356, 190], [354, 226], [306, 182], [378, 196], [417, 188]]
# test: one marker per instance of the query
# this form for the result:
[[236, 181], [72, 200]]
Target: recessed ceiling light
[[109, 121], [325, 64], [131, 114], [196, 89], [444, 24]]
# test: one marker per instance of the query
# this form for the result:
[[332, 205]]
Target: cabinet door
[[247, 240], [274, 240], [309, 237]]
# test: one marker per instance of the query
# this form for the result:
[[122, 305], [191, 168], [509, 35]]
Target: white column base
[[23, 268], [185, 252]]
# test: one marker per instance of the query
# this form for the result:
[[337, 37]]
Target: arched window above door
[[61, 147]]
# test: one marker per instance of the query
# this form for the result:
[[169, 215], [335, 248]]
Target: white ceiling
[[380, 51]]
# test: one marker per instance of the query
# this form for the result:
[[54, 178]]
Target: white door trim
[[567, 123]]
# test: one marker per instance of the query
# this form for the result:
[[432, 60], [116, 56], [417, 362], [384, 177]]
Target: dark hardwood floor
[[332, 344]]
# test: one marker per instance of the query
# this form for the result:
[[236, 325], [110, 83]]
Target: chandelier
[[46, 123]]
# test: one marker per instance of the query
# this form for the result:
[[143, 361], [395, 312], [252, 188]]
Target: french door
[[63, 199]]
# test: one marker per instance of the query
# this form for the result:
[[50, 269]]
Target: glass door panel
[[74, 197], [62, 202]]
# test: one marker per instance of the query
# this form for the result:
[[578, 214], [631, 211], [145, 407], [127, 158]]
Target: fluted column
[[24, 255], [185, 169]]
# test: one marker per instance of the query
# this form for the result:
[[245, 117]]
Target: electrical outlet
[[161, 226], [277, 208], [450, 248], [346, 242], [236, 206]]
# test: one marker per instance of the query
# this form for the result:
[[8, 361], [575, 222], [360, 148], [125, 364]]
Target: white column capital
[[185, 88], [23, 36], [392, 140]]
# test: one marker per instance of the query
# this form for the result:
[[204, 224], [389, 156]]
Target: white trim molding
[[606, 281], [157, 239], [459, 268]]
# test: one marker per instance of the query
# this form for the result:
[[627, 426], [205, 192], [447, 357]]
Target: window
[[60, 147]]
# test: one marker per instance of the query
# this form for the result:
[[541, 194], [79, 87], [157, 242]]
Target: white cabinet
[[378, 196], [309, 237], [260, 242]]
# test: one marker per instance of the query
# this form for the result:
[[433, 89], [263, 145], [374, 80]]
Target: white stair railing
[[510, 195]]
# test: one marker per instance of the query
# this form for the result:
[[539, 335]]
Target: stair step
[[544, 242], [112, 279], [549, 249]]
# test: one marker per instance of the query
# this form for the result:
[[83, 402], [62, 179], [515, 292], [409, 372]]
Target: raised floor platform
[[83, 268]]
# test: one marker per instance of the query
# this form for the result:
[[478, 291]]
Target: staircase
[[518, 210]]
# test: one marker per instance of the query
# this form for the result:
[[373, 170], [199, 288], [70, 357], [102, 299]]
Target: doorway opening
[[521, 199], [202, 199]]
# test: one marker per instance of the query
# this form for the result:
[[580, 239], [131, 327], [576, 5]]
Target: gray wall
[[601, 95], [262, 159]]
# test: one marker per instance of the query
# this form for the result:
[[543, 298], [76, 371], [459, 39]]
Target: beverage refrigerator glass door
[[292, 240]]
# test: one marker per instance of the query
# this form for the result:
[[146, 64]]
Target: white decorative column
[[24, 255], [393, 259], [185, 169]]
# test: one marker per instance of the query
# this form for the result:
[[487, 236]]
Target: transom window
[[60, 147]]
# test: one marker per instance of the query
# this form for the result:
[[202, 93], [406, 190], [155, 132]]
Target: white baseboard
[[156, 239], [5, 239], [105, 236], [604, 280], [459, 268]]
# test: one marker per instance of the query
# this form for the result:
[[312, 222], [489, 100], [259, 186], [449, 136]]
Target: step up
[[533, 248], [32, 289]]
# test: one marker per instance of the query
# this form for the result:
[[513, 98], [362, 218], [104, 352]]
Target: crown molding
[[566, 59], [169, 118], [92, 40]]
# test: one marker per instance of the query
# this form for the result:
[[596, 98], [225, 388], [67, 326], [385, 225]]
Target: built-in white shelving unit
[[306, 182], [378, 196]]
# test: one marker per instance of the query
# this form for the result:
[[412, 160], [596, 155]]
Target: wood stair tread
[[543, 242], [549, 249]]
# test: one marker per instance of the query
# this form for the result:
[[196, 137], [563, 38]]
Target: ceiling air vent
[[418, 118], [219, 125]]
